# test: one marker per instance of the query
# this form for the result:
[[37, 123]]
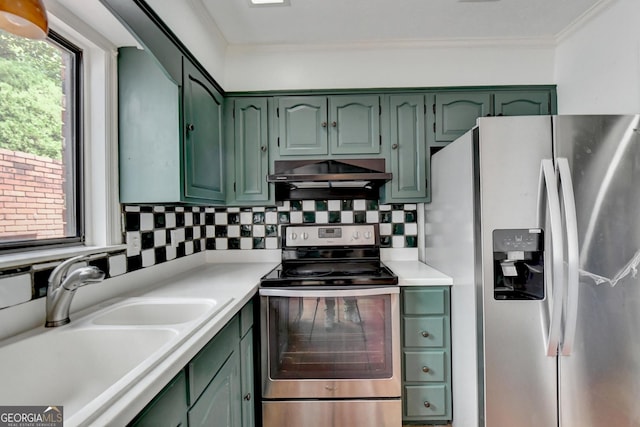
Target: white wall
[[200, 35], [598, 66], [404, 65]]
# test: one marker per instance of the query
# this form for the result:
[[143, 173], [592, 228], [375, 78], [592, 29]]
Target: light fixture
[[26, 18], [269, 2]]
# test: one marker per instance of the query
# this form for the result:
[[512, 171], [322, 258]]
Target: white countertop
[[213, 280], [416, 273], [238, 281]]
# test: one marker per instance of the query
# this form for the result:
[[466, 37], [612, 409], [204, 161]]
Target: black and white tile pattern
[[156, 234]]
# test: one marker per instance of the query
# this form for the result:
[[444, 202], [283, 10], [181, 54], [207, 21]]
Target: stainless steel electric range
[[330, 331]]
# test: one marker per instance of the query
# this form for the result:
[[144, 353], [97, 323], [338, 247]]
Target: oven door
[[337, 343]]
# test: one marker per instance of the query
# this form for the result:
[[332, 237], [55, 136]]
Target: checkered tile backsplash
[[155, 234]]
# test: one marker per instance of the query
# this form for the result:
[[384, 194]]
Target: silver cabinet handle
[[263, 148], [427, 404], [394, 147], [247, 396], [323, 124], [425, 334], [191, 127], [425, 369], [334, 124]]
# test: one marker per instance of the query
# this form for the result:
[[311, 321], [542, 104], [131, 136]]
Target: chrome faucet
[[62, 287]]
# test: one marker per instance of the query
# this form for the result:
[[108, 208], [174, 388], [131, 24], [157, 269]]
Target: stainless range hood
[[328, 179]]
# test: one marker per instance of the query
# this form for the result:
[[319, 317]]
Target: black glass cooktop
[[339, 273]]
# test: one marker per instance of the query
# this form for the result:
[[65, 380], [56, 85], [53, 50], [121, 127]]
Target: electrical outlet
[[133, 243]]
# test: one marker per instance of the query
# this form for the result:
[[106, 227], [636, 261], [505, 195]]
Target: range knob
[[367, 235], [304, 236], [356, 235], [293, 236]]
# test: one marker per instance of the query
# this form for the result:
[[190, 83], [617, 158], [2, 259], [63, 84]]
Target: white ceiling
[[381, 21]]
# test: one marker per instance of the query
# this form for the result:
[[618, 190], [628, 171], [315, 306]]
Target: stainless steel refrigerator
[[537, 219]]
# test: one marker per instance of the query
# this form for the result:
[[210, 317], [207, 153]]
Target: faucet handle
[[58, 273]]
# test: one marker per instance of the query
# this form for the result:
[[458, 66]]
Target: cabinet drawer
[[208, 362], [425, 301], [424, 332], [426, 401], [424, 365]]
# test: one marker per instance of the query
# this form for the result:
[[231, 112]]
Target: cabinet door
[[302, 123], [250, 145], [526, 103], [456, 112], [168, 409], [149, 130], [246, 372], [354, 124], [408, 147], [219, 404], [203, 148]]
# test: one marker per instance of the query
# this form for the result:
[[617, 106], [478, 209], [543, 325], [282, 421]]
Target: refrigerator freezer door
[[519, 379], [600, 380]]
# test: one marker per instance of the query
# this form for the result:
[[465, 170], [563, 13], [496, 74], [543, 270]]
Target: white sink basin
[[157, 312], [88, 364], [72, 367]]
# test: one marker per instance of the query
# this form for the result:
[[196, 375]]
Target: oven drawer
[[424, 366], [334, 413], [426, 400], [424, 331]]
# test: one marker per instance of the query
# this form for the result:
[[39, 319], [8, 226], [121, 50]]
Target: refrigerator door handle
[[548, 186], [571, 225]]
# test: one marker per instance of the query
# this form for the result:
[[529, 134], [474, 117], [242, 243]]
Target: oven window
[[330, 338]]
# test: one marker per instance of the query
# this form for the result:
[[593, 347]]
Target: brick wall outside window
[[32, 200]]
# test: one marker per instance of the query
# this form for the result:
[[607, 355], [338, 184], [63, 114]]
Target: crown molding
[[583, 19]]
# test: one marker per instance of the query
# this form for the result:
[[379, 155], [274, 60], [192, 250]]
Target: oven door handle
[[327, 293]]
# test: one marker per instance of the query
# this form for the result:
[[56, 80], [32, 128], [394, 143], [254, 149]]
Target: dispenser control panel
[[518, 264], [527, 240]]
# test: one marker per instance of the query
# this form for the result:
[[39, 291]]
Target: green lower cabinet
[[247, 392], [426, 355], [428, 402], [168, 408], [216, 386], [219, 405]]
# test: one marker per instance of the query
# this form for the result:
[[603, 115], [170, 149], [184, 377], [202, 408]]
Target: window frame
[[73, 157]]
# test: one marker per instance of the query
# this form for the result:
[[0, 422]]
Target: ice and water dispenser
[[518, 264]]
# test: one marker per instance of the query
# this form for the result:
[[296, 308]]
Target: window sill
[[18, 259]]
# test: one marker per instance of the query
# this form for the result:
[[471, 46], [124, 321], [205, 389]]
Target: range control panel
[[330, 235]]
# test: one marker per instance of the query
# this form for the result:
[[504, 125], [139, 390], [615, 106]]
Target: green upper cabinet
[[203, 150], [407, 156], [354, 124], [149, 130], [302, 125], [248, 150], [456, 112], [170, 117], [317, 126], [524, 103]]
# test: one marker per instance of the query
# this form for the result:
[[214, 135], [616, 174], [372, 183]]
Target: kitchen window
[[41, 142]]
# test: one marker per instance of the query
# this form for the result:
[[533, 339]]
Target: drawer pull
[[427, 404], [247, 396], [425, 334], [425, 369]]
